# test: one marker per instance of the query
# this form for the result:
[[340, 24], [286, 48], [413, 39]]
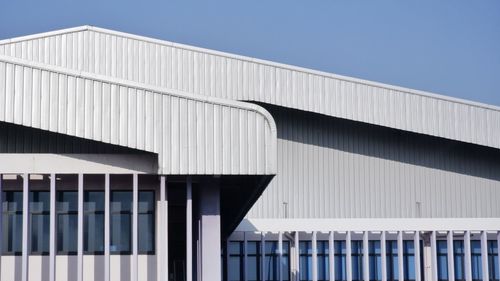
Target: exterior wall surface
[[223, 75], [191, 134], [334, 168]]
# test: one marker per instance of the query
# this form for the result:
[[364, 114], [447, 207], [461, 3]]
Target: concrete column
[[383, 256], [434, 268], [484, 255], [416, 243], [314, 246], [164, 231], [427, 254], [135, 206], [26, 229], [468, 259], [331, 256], [80, 229], [400, 256], [366, 258], [280, 259], [348, 256], [189, 230], [52, 231], [451, 257], [210, 232], [107, 231]]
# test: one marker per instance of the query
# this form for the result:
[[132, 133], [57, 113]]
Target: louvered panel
[[192, 134]]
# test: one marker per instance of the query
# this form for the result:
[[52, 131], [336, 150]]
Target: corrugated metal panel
[[212, 73], [182, 128], [334, 168]]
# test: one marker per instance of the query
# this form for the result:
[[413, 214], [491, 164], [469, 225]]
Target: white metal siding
[[191, 134], [218, 74], [332, 168]]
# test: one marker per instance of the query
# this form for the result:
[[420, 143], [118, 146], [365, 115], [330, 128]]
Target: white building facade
[[131, 158]]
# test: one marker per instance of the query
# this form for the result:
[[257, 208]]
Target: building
[[130, 158]]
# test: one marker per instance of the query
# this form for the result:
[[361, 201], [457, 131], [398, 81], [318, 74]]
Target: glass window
[[67, 222], [323, 261], [409, 260], [477, 271], [375, 260], [146, 222], [340, 261], [253, 261], [12, 220], [305, 253], [392, 260], [493, 260], [121, 222], [442, 259], [459, 259], [40, 221], [93, 222], [272, 261], [235, 262], [357, 260]]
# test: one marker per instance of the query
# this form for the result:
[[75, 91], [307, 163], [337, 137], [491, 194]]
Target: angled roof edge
[[251, 59], [267, 137]]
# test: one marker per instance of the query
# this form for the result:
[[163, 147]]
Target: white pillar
[[80, 229], [451, 257], [107, 231], [280, 258], [331, 255], [416, 243], [314, 246], [263, 256], [297, 256], [348, 258], [400, 256], [366, 258], [52, 231], [135, 206], [189, 230], [383, 256], [164, 232], [468, 260], [245, 251], [484, 255], [434, 256], [210, 235], [25, 236]]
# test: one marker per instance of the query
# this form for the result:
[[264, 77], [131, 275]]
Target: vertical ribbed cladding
[[335, 168], [199, 71], [191, 134]]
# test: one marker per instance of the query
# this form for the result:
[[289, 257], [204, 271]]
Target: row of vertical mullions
[[383, 254], [52, 228]]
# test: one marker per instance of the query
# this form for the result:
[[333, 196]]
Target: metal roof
[[206, 72], [192, 134]]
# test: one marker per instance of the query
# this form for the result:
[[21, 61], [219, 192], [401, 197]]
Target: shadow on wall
[[98, 268], [386, 143], [125, 268]]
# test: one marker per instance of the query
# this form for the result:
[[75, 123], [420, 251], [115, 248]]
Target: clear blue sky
[[448, 47]]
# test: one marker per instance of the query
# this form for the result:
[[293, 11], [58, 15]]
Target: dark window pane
[[120, 233], [93, 222], [67, 225], [121, 201], [146, 233], [40, 221]]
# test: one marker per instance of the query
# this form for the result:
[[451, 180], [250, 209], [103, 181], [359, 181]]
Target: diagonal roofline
[[254, 60]]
